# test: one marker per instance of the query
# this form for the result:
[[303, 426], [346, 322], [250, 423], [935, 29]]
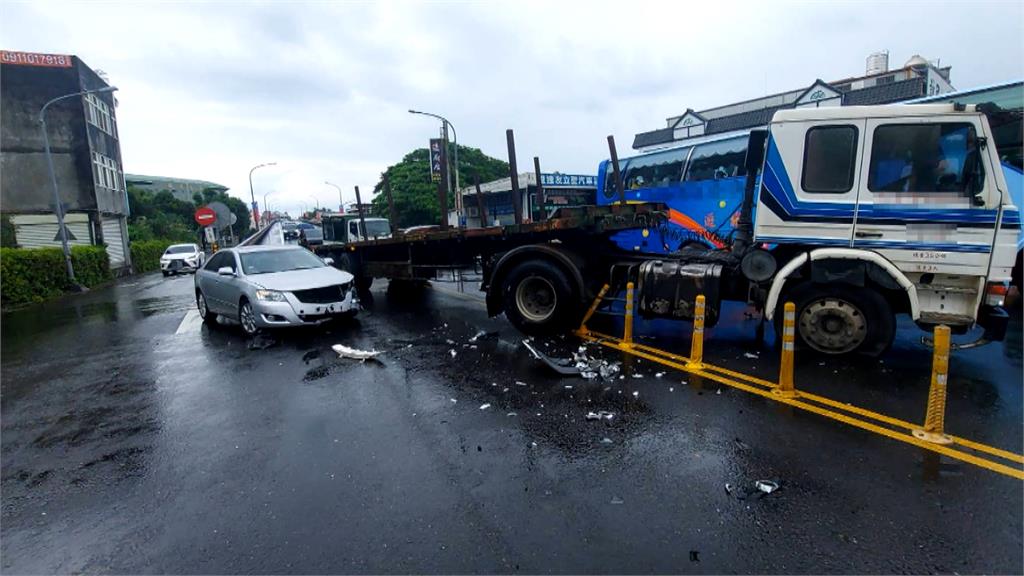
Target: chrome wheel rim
[[833, 326], [536, 299], [248, 319]]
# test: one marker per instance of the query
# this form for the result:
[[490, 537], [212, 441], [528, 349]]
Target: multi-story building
[[84, 147], [879, 85]]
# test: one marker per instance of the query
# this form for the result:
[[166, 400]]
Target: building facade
[[560, 190], [879, 85], [85, 151], [183, 189]]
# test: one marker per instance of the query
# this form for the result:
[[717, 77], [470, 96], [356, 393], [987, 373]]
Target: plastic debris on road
[[606, 441], [600, 415], [579, 365], [760, 489], [659, 374], [750, 355], [617, 500], [354, 353], [485, 406], [767, 486], [453, 352]]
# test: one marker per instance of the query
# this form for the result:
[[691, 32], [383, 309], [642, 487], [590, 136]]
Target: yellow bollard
[[697, 342], [935, 416], [785, 388], [593, 308], [627, 335]]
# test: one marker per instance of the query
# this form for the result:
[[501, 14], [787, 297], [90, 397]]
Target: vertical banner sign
[[436, 148]]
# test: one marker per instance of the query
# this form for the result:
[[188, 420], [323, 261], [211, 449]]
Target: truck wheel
[[538, 298], [837, 319], [344, 262]]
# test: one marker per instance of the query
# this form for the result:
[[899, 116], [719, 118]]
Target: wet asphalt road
[[135, 440]]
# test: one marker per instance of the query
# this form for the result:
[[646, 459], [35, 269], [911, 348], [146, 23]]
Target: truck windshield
[[271, 261], [377, 228]]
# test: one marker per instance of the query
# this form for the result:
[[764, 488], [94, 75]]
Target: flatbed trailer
[[564, 257]]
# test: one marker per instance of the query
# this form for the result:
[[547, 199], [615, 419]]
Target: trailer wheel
[[344, 262], [836, 319], [538, 298]]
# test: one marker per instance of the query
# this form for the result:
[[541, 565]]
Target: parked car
[[273, 286], [181, 258]]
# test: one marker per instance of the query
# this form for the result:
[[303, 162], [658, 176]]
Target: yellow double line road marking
[[852, 415]]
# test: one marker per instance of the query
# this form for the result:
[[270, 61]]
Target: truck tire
[[538, 298], [837, 319], [344, 262]]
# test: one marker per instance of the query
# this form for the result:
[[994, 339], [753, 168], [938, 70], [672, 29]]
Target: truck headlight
[[270, 296]]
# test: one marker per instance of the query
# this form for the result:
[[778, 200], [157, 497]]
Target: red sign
[[205, 216], [35, 59]]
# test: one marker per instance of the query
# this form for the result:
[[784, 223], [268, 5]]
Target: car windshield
[[182, 249], [270, 261]]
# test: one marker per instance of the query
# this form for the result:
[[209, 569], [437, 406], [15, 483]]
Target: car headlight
[[270, 296]]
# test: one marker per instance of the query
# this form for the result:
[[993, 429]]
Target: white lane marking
[[191, 323]]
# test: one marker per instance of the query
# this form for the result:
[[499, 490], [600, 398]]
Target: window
[[830, 157], [717, 160], [220, 260], [353, 228], [98, 113], [655, 170], [107, 173], [609, 181], [924, 158], [885, 80]]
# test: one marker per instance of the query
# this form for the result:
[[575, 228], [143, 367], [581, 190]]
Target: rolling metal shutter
[[115, 241], [36, 231]]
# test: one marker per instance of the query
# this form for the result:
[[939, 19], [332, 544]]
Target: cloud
[[210, 90]]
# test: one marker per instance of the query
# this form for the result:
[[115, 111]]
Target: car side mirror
[[329, 261], [225, 271]]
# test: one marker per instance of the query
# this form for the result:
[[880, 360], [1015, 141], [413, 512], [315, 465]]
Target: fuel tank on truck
[[669, 289]]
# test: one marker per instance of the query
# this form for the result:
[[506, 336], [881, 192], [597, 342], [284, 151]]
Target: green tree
[[415, 194]]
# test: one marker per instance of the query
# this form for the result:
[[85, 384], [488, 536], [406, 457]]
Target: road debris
[[600, 415], [482, 334], [751, 355], [354, 353], [616, 500], [606, 441], [760, 489], [453, 352], [659, 374], [579, 365], [485, 406]]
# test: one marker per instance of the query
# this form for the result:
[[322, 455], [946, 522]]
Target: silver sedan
[[273, 286]]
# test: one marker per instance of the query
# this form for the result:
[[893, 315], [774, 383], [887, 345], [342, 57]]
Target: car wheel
[[204, 310], [247, 317], [166, 273], [837, 319]]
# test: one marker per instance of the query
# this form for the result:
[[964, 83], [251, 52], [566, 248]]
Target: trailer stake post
[[582, 330], [539, 196], [935, 416], [362, 218], [786, 388], [627, 330], [517, 200], [480, 204], [615, 170], [697, 341], [391, 205]]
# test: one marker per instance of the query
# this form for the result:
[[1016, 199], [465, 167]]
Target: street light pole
[[265, 209], [57, 207], [445, 124], [255, 212], [341, 199]]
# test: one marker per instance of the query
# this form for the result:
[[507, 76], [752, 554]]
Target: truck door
[[925, 204], [809, 183]]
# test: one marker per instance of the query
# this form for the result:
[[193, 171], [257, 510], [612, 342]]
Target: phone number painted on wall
[[35, 59]]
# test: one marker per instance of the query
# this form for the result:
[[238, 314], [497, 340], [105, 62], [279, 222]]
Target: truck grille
[[324, 295]]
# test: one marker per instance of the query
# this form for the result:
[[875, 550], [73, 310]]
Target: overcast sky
[[209, 90]]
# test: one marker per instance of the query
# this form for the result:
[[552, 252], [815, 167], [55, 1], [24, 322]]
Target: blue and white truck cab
[[902, 209]]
